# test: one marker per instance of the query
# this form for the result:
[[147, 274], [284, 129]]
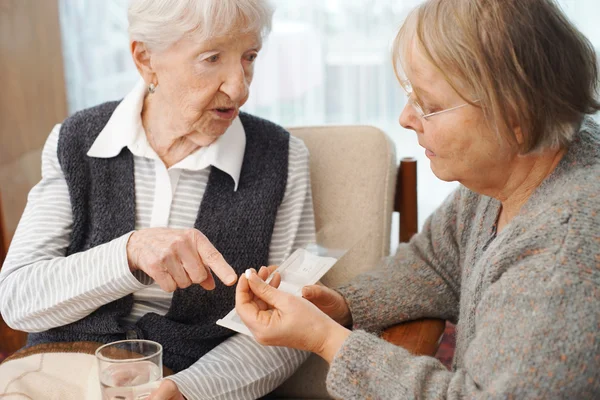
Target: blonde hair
[[523, 60], [161, 23]]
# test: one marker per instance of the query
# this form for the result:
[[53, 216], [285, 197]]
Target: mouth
[[227, 113], [428, 152]]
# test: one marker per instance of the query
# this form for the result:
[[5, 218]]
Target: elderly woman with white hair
[[499, 96], [143, 199]]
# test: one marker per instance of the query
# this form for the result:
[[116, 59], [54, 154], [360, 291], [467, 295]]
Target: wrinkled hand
[[330, 302], [167, 390], [276, 318], [263, 274], [177, 258]]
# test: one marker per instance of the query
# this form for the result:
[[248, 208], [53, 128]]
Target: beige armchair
[[356, 186]]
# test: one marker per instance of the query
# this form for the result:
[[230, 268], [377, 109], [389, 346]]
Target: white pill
[[248, 273]]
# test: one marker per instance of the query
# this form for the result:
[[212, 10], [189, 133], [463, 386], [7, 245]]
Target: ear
[[519, 135], [143, 62]]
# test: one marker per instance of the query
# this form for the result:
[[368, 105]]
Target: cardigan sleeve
[[421, 280]]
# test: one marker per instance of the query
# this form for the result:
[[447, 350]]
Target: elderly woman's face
[[459, 143], [202, 85]]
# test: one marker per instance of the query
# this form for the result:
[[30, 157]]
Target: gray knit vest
[[239, 224]]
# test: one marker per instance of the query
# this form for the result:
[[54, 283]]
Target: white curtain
[[326, 61]]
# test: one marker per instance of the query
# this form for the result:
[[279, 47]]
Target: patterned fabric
[[445, 352], [65, 347]]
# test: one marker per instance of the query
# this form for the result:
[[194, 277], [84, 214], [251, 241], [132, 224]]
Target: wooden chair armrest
[[420, 337]]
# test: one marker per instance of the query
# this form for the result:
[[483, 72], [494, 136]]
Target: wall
[[32, 100]]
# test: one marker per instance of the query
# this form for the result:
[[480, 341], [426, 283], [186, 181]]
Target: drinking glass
[[129, 369]]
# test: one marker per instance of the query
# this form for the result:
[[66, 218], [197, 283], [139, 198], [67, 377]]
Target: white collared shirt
[[41, 288], [125, 129]]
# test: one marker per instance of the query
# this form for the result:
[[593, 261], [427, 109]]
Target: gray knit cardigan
[[527, 303]]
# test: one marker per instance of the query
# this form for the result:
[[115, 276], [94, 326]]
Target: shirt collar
[[124, 129]]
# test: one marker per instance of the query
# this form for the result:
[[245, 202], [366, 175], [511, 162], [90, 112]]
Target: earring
[[151, 88]]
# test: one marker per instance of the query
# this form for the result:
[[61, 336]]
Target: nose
[[235, 84], [409, 119]]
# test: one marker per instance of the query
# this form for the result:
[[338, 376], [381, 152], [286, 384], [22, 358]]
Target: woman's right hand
[[177, 258], [330, 302]]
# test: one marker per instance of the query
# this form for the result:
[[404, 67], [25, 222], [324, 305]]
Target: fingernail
[[306, 292], [231, 278]]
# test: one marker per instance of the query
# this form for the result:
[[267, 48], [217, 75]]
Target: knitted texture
[[525, 301], [238, 223]]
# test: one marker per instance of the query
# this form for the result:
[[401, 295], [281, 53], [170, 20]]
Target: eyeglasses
[[406, 85]]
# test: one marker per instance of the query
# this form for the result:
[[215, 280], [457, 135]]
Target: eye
[[419, 103], [251, 57], [427, 106], [428, 109], [212, 59]]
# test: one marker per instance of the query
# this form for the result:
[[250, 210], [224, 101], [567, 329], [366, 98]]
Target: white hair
[[161, 23]]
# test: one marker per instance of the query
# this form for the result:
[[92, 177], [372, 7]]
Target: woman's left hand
[[276, 318]]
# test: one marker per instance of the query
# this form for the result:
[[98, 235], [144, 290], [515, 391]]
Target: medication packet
[[302, 268]]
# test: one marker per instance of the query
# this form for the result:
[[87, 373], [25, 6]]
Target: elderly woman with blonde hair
[[500, 93], [142, 200]]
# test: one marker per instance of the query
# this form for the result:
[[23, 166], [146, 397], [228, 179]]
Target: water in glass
[[133, 381]]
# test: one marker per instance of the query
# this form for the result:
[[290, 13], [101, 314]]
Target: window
[[326, 61]]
